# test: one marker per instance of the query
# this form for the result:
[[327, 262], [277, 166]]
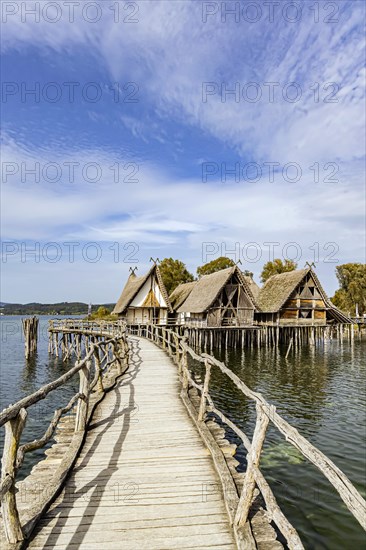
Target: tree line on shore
[[61, 308]]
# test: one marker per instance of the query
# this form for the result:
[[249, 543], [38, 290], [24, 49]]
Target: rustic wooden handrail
[[177, 347], [105, 346], [11, 411]]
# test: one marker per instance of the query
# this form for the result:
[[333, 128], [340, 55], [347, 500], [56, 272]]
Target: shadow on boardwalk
[[96, 485]]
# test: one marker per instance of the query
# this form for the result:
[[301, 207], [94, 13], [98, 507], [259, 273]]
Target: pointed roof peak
[[134, 284]]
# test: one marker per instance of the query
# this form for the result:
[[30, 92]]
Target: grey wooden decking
[[144, 478]]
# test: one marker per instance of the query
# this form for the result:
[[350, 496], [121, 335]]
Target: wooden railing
[[105, 357], [73, 325], [266, 413]]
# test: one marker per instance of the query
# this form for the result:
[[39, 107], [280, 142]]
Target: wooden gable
[[149, 295], [232, 306], [304, 299]]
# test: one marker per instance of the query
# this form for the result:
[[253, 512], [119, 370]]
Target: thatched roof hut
[[293, 295], [223, 297], [277, 289], [143, 293], [204, 292]]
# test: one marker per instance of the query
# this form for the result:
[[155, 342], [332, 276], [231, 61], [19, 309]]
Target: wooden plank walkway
[[144, 478]]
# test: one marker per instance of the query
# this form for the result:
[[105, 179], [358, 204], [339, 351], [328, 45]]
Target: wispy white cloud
[[170, 53], [181, 213]]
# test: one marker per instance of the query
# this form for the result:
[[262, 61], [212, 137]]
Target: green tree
[[340, 300], [102, 312], [276, 267], [174, 273], [215, 265], [351, 296]]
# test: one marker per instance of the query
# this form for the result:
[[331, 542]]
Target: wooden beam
[[13, 431]]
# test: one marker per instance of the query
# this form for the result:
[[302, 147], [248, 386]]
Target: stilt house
[[144, 299], [223, 298], [296, 298]]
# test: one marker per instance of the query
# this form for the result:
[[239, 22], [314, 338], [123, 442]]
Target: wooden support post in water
[[13, 431], [30, 330], [56, 343], [253, 459], [289, 347]]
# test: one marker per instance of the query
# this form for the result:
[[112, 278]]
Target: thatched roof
[[180, 294], [132, 287], [254, 288], [278, 289], [205, 291]]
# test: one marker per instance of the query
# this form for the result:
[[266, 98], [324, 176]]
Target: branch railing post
[[253, 459], [177, 349], [202, 409], [163, 336], [13, 431], [117, 358], [84, 390], [183, 355], [184, 369], [127, 352], [169, 343], [98, 370]]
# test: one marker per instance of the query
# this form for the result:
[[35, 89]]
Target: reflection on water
[[319, 391], [322, 393]]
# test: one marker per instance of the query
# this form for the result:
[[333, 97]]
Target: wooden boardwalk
[[144, 478], [140, 457]]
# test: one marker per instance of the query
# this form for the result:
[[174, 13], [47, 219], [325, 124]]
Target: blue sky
[[132, 129]]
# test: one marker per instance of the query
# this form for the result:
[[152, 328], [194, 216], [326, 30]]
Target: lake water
[[321, 392], [20, 377]]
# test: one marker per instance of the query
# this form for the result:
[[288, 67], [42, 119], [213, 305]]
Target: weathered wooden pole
[[30, 330], [206, 383], [289, 348], [84, 389], [13, 431], [253, 459]]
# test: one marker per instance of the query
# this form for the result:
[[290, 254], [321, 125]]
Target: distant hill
[[61, 308]]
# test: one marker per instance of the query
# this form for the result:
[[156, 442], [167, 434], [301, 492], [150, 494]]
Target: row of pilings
[[65, 344], [266, 336], [209, 338]]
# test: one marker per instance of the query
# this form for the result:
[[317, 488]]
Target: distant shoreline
[[61, 308]]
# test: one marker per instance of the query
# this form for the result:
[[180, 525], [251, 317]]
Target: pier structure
[[141, 456]]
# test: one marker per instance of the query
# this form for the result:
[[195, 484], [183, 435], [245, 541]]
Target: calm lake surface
[[321, 392]]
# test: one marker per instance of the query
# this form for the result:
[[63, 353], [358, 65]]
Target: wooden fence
[[178, 349], [105, 353]]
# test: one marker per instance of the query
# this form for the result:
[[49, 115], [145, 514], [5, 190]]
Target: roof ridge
[[163, 289]]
